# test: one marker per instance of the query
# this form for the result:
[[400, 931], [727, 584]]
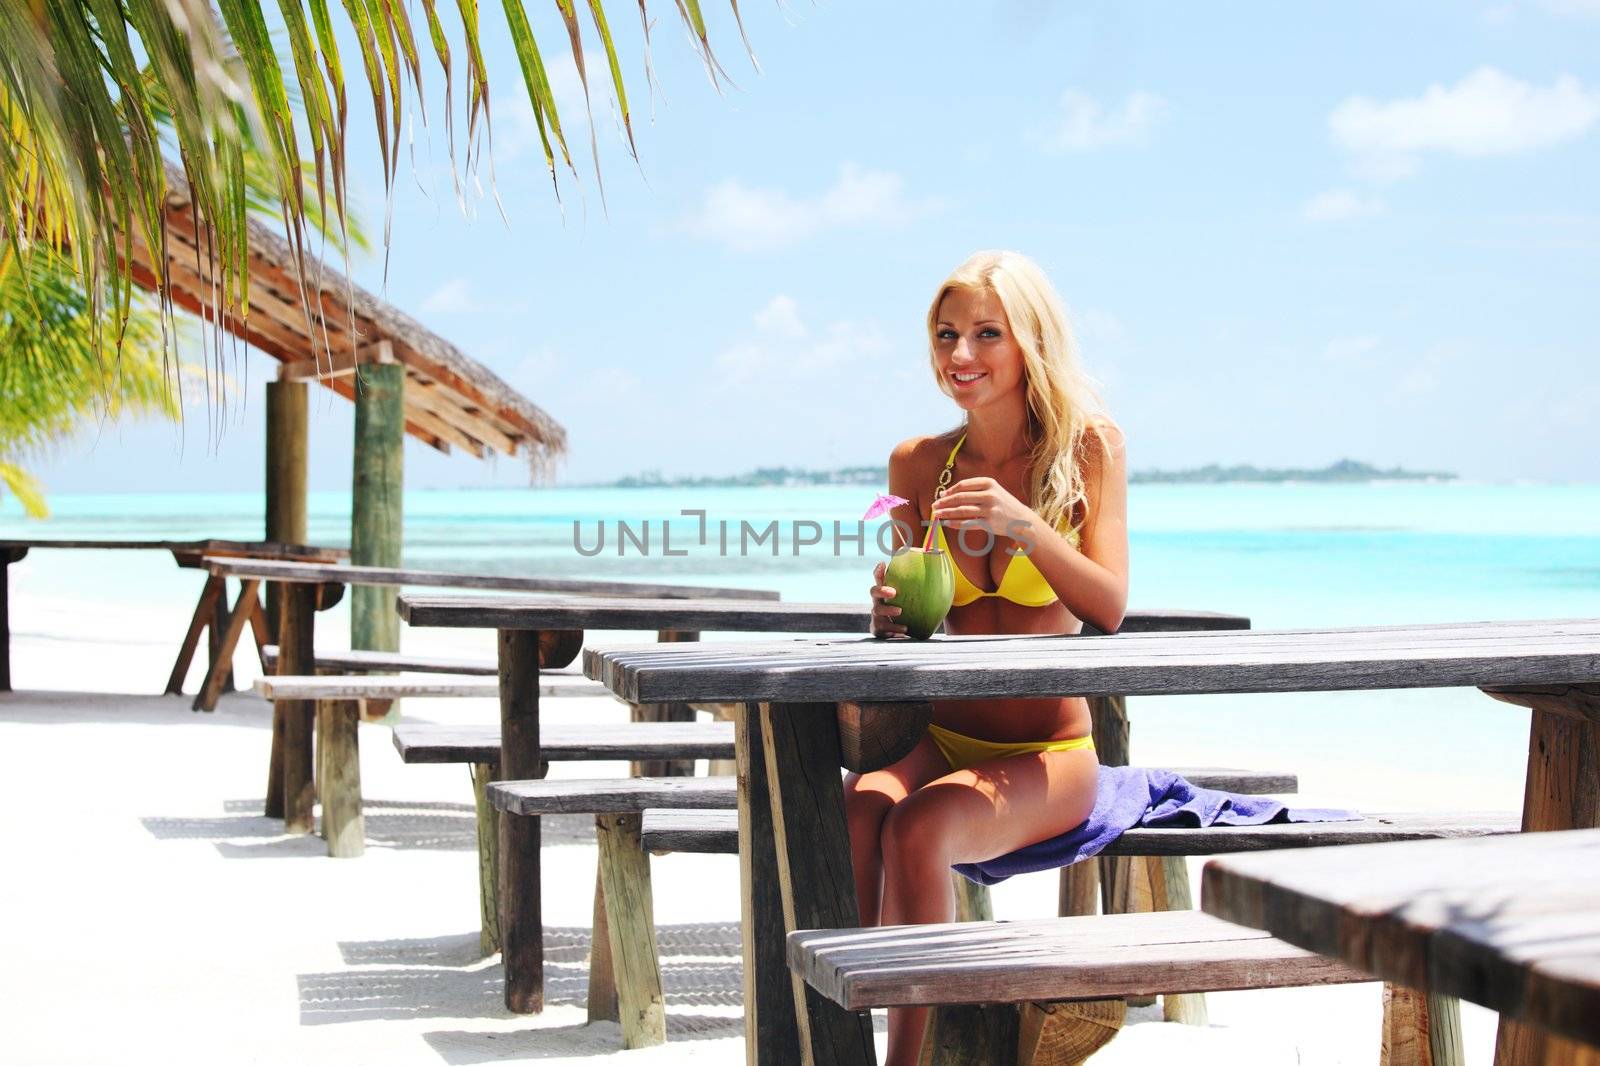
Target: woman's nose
[[962, 353]]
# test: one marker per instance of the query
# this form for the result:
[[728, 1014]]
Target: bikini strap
[[948, 472]]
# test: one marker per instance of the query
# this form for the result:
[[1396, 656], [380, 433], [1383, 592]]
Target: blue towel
[[1129, 796]]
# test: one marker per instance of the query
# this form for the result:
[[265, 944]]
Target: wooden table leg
[[814, 871], [665, 712], [339, 784], [1561, 791], [204, 611], [488, 864], [296, 640], [7, 557], [521, 917], [771, 1033], [222, 647]]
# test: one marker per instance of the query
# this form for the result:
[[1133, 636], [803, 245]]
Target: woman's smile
[[965, 379]]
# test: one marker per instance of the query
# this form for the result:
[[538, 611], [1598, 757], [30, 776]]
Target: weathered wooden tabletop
[[595, 612], [1511, 923], [187, 552], [386, 575], [1131, 664], [789, 689]]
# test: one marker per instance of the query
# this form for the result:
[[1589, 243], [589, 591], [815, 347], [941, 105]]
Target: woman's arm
[[1091, 579]]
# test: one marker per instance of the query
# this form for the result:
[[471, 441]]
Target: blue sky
[[1288, 234]]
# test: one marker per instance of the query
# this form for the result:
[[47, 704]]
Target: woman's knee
[[867, 802], [916, 833]]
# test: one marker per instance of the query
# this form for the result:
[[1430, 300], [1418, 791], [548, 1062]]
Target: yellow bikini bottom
[[962, 751]]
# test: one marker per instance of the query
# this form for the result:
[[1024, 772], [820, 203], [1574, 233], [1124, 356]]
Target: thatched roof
[[450, 398]]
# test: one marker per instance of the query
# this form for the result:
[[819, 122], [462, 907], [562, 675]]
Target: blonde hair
[[1064, 407]]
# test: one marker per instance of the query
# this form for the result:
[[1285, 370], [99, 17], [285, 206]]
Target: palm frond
[[81, 167]]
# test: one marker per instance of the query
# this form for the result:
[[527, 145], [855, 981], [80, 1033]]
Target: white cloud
[[453, 297], [780, 318], [1339, 205], [1083, 125], [783, 349], [1486, 113], [750, 219]]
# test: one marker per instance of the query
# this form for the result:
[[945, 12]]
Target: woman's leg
[[983, 811], [868, 799]]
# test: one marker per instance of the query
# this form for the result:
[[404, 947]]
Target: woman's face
[[976, 357]]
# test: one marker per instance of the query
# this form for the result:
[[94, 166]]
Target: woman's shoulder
[[927, 453], [1102, 439]]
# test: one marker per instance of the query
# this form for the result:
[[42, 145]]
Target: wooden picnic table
[[304, 588], [211, 611], [793, 842], [521, 622], [1510, 923]]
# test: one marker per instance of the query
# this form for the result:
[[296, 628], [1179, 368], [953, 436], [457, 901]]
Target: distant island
[[1345, 470]]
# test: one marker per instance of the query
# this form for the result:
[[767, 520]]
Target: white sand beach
[[150, 914]]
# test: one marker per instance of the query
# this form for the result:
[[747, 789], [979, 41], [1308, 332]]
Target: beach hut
[[402, 378]]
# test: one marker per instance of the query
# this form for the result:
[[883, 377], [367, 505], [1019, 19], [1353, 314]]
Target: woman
[[1034, 459]]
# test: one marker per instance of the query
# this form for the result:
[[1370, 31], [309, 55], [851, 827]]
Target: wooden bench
[[636, 816], [479, 748], [1097, 961], [356, 661], [717, 832], [341, 702], [1050, 990]]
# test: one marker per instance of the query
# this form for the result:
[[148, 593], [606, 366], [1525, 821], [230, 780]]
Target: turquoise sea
[[1285, 555]]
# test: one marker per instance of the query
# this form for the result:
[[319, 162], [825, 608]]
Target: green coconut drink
[[924, 586]]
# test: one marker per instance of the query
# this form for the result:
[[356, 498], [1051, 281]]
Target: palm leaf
[[81, 160]]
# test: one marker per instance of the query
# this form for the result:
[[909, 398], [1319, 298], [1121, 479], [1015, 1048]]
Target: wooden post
[[375, 517], [814, 871], [521, 917], [296, 635], [7, 557], [972, 900], [665, 712], [339, 785], [1170, 891], [286, 472], [488, 864], [771, 1034], [602, 1000], [1561, 791], [631, 930], [1420, 1029]]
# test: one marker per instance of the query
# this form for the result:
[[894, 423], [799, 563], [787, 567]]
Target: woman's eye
[[990, 333], [946, 334]]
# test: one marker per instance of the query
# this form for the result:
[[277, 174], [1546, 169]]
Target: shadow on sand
[[111, 708], [245, 833], [443, 977]]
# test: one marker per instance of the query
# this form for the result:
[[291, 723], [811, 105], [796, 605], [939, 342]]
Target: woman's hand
[[883, 614], [984, 502]]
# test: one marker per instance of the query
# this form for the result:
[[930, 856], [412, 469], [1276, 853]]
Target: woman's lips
[[958, 383]]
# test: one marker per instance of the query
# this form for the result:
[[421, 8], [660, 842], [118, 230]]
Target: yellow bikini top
[[1021, 583]]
